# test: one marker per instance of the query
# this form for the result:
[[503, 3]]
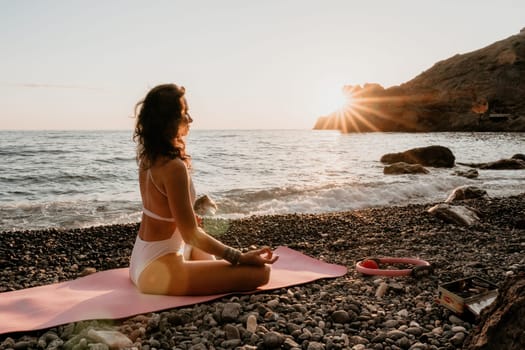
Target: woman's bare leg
[[198, 254], [171, 275], [214, 277]]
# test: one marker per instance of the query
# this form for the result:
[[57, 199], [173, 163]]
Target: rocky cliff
[[483, 90]]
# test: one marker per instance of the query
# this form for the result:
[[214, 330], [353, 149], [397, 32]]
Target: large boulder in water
[[502, 324], [434, 156]]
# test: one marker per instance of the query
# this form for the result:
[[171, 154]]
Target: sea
[[77, 179]]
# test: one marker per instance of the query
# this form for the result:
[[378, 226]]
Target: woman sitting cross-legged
[[172, 255]]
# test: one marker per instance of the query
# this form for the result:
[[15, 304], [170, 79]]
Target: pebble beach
[[342, 313]]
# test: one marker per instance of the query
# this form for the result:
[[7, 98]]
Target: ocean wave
[[67, 214], [53, 179], [334, 197], [114, 160]]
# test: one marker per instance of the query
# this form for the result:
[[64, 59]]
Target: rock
[[455, 214], [98, 346], [505, 164], [57, 344], [251, 323], [469, 174], [403, 313], [231, 312], [381, 290], [231, 343], [502, 164], [21, 345], [358, 340], [518, 156], [87, 271], [379, 338], [404, 168], [416, 331], [113, 339], [272, 340], [457, 329], [395, 334], [231, 332], [458, 339], [480, 90], [200, 346], [341, 316], [520, 223], [418, 346], [290, 343], [403, 343], [502, 323], [273, 303], [313, 345], [455, 320], [359, 347], [465, 192], [434, 156], [391, 323]]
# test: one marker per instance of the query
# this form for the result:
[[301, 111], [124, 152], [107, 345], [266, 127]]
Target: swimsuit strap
[[154, 184], [156, 216]]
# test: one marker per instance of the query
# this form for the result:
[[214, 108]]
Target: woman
[[172, 255]]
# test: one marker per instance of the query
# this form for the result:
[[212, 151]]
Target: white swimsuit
[[145, 252]]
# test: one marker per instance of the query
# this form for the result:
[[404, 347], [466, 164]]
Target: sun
[[335, 102]]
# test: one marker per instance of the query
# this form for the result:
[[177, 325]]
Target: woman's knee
[[264, 275]]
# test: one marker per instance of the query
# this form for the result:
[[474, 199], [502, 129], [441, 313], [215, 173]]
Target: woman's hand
[[258, 257]]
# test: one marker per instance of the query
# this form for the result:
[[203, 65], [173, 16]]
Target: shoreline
[[491, 249]]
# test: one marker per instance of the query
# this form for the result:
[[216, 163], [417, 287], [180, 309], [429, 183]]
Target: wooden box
[[470, 293]]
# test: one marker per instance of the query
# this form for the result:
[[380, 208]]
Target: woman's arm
[[177, 185]]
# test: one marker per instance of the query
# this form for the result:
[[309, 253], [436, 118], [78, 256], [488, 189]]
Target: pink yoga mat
[[111, 295]]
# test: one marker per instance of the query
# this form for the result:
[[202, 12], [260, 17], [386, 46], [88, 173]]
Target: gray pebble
[[457, 329], [418, 346], [315, 346], [395, 334], [403, 343], [416, 331], [458, 339], [273, 340], [455, 320], [341, 316], [379, 338], [200, 346], [391, 324], [21, 345], [358, 340], [290, 343], [231, 332], [230, 344], [231, 312]]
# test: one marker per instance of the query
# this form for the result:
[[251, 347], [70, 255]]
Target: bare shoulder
[[175, 168]]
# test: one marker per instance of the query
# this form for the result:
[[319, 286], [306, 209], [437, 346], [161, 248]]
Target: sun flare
[[334, 102]]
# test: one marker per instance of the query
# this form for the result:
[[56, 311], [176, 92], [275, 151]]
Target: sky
[[275, 64]]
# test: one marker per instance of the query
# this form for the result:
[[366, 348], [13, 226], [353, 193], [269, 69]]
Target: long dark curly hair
[[157, 125]]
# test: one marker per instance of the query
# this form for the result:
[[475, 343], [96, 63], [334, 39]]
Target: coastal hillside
[[483, 90]]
